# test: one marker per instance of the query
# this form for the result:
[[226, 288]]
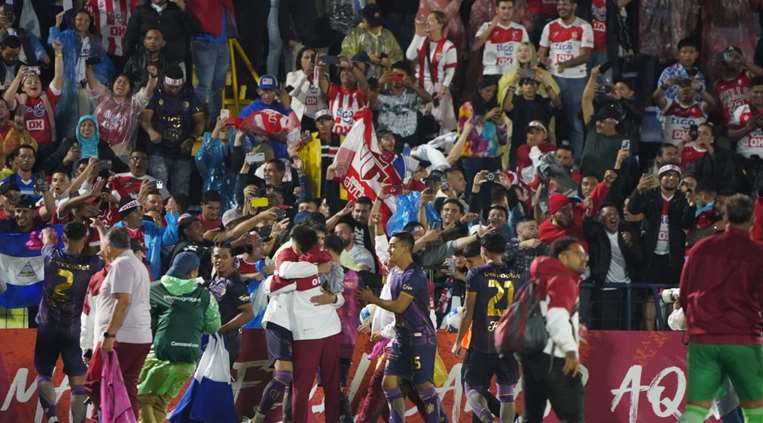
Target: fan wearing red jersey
[[501, 38], [347, 97], [733, 86], [746, 129]]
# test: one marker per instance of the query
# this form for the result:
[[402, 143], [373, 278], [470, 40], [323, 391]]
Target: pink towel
[[115, 404]]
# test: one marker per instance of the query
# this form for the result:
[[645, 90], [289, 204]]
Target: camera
[[669, 296], [693, 131], [491, 176]]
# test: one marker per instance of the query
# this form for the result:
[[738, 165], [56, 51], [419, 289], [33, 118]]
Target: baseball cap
[[185, 220], [26, 201], [373, 15], [323, 114], [268, 82], [556, 202], [669, 168], [231, 216], [127, 206], [537, 124], [183, 264]]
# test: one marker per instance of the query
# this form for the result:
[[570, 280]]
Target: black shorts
[[480, 367], [279, 342], [53, 341]]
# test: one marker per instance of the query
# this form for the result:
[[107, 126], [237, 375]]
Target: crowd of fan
[[492, 129]]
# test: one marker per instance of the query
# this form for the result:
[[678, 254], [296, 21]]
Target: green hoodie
[[162, 377]]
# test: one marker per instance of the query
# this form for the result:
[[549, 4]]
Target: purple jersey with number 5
[[494, 285], [415, 319]]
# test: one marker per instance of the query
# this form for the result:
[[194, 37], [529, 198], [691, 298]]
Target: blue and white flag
[[22, 268], [209, 398]]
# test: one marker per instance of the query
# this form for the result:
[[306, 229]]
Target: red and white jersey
[[443, 59], [732, 94], [752, 143], [344, 103], [676, 120], [565, 43], [599, 24], [691, 153], [110, 20], [291, 288], [500, 52], [125, 184]]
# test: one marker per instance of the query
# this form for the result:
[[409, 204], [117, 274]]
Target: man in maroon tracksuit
[[722, 295]]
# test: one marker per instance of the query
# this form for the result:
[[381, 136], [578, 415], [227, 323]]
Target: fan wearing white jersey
[[501, 38]]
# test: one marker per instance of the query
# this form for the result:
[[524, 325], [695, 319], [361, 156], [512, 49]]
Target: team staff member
[[490, 290], [67, 273], [721, 274], [412, 354]]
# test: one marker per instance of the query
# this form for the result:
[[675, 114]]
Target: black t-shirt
[[173, 119], [526, 111], [230, 293], [495, 287]]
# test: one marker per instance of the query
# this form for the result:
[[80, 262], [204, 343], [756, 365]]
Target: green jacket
[[360, 39], [162, 377]]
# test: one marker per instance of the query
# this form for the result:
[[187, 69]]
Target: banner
[[22, 268], [630, 377]]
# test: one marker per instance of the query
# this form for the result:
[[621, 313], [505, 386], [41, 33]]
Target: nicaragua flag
[[22, 268], [209, 397]]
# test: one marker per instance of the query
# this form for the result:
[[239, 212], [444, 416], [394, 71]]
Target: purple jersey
[[494, 285], [415, 319], [65, 286]]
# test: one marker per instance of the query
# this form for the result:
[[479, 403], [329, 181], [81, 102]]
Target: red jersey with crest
[[678, 118], [732, 94], [110, 21], [599, 24], [564, 43], [500, 52], [752, 143], [36, 118], [344, 103]]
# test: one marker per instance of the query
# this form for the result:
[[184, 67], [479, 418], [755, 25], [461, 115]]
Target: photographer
[[733, 86], [745, 129], [685, 110]]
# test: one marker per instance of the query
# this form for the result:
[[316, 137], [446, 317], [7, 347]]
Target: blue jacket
[[213, 162], [155, 238]]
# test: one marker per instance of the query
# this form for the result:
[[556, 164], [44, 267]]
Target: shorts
[[479, 368], [412, 361], [710, 364], [53, 341], [279, 342]]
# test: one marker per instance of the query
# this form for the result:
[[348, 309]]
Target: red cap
[[556, 202]]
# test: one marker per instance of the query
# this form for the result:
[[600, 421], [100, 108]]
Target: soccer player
[[490, 290], [67, 273], [412, 354]]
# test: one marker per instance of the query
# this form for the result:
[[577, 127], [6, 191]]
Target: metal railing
[[653, 288]]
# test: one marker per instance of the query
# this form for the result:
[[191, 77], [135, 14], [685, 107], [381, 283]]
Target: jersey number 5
[[501, 299]]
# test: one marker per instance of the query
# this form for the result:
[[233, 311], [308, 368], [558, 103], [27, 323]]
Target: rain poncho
[[213, 162], [68, 107]]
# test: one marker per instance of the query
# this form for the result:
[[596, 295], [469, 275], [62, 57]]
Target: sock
[[396, 405], [47, 397], [77, 403], [506, 396], [478, 403], [753, 415], [274, 391], [431, 404], [694, 414]]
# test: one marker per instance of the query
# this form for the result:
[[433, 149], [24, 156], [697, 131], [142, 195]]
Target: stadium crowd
[[405, 167]]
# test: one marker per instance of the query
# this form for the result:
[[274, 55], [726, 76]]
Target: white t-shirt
[[616, 272], [500, 52], [752, 143], [564, 43], [663, 234], [127, 274]]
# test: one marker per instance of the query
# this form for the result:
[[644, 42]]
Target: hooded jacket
[[559, 293], [162, 377]]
